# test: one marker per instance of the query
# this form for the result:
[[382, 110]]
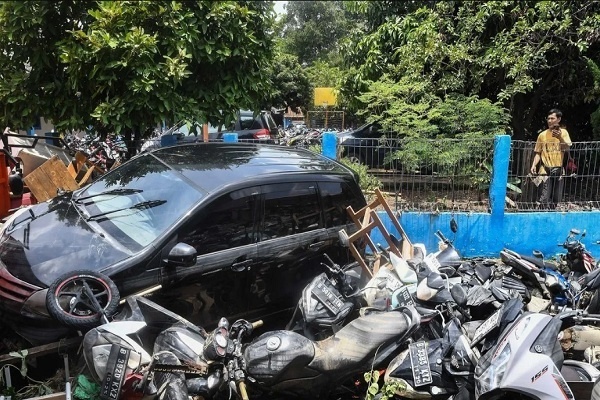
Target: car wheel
[[79, 299]]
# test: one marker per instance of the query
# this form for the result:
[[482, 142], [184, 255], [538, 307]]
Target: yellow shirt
[[550, 149]]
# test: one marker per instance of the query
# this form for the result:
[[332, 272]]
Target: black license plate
[[419, 360], [328, 297], [116, 367], [403, 297]]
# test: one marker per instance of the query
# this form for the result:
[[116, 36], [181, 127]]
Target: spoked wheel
[[79, 299]]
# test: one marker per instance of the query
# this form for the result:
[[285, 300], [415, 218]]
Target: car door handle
[[241, 266], [316, 245]]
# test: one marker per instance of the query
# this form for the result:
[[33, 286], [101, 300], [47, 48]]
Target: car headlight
[[9, 222], [492, 376]]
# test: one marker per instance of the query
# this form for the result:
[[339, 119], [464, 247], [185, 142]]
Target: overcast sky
[[279, 6]]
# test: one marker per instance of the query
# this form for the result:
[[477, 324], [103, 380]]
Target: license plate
[[326, 296], [488, 325], [432, 262], [419, 360], [116, 366], [403, 297]]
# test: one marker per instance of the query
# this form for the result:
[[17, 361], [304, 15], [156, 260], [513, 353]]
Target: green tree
[[291, 86], [312, 29], [412, 111], [529, 55], [126, 66]]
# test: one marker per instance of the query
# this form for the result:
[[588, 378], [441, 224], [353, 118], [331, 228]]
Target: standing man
[[550, 148]]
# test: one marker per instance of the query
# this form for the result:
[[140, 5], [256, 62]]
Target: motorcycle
[[528, 359], [573, 289], [277, 363]]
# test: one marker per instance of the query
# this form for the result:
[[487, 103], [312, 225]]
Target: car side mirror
[[182, 255], [459, 294]]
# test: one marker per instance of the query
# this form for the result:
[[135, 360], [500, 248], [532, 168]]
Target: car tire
[[69, 301]]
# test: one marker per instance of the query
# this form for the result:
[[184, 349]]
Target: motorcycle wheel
[[71, 303]]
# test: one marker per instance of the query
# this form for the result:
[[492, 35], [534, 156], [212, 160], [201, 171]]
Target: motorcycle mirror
[[459, 294], [343, 237], [453, 225], [583, 234], [574, 231], [538, 254]]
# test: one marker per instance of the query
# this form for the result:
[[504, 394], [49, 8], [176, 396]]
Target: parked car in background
[[364, 145], [226, 229], [254, 126]]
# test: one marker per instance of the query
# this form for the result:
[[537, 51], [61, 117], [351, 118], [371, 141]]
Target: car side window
[[224, 223], [289, 208], [336, 197]]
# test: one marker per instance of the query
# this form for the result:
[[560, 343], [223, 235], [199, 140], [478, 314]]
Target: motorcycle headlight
[[492, 376]]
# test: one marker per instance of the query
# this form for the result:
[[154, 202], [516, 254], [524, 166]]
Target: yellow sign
[[325, 97]]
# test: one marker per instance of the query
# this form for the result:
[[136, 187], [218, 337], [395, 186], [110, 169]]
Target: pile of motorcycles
[[435, 326]]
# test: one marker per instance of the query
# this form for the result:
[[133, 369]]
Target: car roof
[[213, 165]]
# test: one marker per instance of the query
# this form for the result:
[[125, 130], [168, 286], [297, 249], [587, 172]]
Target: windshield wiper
[[108, 193], [139, 206]]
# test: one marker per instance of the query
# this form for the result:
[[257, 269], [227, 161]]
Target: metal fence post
[[499, 174], [329, 141]]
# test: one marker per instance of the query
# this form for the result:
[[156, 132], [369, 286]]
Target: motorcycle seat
[[340, 351], [539, 263]]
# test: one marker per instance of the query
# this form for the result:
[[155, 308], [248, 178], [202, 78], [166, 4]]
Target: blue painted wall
[[480, 234]]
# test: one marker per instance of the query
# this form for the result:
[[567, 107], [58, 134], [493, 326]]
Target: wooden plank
[[37, 351], [45, 181]]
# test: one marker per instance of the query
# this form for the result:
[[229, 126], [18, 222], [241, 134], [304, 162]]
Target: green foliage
[[387, 390], [410, 110], [312, 29], [529, 55], [128, 65], [367, 182], [33, 388], [291, 84], [323, 74]]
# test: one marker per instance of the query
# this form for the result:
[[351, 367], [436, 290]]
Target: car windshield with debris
[[137, 203]]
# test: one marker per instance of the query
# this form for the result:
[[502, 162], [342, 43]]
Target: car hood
[[51, 239]]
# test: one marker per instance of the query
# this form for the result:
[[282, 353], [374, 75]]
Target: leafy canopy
[[130, 65], [529, 55]]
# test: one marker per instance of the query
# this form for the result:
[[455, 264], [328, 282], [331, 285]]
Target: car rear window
[[247, 121]]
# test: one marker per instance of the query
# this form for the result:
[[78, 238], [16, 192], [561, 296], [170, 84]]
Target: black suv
[[254, 126], [226, 229]]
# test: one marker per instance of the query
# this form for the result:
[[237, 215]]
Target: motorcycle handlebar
[[257, 324], [441, 236]]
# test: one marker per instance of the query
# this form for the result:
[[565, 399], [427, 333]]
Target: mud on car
[[225, 229]]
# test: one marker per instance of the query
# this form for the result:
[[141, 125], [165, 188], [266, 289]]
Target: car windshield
[[138, 201]]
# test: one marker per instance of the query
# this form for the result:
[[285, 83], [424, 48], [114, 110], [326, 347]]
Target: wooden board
[[46, 180]]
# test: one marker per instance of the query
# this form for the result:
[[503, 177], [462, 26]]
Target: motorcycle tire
[[69, 302]]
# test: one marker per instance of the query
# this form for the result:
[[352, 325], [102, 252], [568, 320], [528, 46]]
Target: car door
[[223, 232], [291, 237]]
